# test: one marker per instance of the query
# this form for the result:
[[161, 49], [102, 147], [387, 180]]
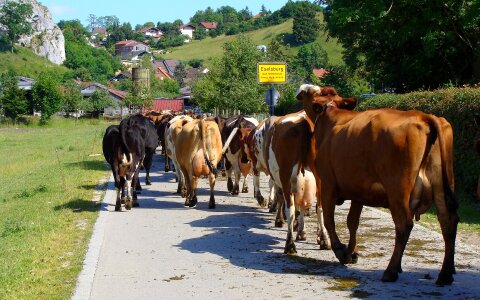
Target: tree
[[46, 96], [92, 22], [200, 33], [99, 101], [232, 80], [245, 14], [305, 24], [15, 17], [72, 98], [408, 45], [309, 57], [180, 73], [12, 99]]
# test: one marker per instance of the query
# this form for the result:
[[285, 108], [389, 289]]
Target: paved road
[[163, 250]]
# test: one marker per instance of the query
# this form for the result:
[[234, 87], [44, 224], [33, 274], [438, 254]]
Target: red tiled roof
[[167, 104], [320, 73], [127, 42], [100, 30], [209, 25], [187, 25]]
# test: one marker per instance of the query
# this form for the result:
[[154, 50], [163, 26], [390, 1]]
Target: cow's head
[[315, 99]]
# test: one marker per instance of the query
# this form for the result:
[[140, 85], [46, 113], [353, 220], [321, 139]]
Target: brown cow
[[401, 160], [286, 150], [198, 149]]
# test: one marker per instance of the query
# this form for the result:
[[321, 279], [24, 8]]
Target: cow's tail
[[127, 158], [203, 137], [438, 130]]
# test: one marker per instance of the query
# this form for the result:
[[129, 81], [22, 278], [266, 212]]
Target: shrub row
[[461, 107]]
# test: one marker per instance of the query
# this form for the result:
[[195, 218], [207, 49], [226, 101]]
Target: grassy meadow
[[26, 63], [213, 47], [49, 175]]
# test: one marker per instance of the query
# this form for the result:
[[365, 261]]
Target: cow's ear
[[347, 103], [300, 95]]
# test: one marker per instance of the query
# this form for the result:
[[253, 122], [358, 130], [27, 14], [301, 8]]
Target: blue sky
[[142, 11]]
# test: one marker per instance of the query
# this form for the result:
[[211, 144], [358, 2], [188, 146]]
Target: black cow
[[149, 135], [124, 150]]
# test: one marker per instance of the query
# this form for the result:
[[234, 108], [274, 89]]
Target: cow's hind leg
[[147, 163], [403, 220], [193, 199], [322, 235], [256, 189], [211, 179], [280, 205], [228, 171], [272, 202], [448, 218], [245, 185], [290, 245], [353, 220], [301, 234]]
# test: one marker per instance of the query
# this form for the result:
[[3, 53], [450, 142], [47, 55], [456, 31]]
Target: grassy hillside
[[211, 47], [26, 63]]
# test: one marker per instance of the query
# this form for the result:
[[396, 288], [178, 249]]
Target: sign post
[[272, 73]]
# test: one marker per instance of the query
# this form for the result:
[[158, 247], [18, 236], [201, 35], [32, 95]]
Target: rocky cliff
[[46, 39]]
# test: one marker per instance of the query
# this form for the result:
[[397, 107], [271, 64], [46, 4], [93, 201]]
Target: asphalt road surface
[[163, 250]]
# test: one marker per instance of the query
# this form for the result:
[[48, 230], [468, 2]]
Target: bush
[[461, 107]]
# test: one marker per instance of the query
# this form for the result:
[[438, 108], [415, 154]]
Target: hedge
[[461, 107]]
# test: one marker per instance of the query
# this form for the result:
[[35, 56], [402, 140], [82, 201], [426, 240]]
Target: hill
[[26, 63], [211, 47]]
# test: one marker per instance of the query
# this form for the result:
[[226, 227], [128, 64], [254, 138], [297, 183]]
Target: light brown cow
[[171, 133], [198, 150], [401, 160]]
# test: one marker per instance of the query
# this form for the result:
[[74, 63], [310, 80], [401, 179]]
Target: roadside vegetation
[[49, 176]]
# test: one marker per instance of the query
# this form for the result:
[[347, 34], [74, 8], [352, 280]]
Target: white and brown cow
[[236, 162], [279, 147], [171, 133], [198, 149]]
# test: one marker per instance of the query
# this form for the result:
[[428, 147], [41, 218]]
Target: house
[[159, 104], [99, 35], [151, 32], [25, 83], [117, 96], [187, 30], [165, 68], [209, 25], [192, 74], [121, 76], [130, 49], [320, 73]]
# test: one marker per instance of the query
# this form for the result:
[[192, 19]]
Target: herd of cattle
[[401, 160]]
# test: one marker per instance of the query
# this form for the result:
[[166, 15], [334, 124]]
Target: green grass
[[213, 47], [26, 63], [49, 175]]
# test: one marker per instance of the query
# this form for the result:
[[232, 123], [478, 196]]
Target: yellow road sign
[[272, 72]]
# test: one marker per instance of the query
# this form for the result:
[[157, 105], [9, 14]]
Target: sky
[[142, 11]]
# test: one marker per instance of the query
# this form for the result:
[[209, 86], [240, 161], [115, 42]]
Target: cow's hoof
[[389, 276], [235, 190], [167, 169], [193, 202], [245, 190], [229, 185], [354, 258], [128, 205], [290, 248], [444, 279], [342, 254], [261, 201], [324, 244], [301, 236], [118, 207], [279, 223]]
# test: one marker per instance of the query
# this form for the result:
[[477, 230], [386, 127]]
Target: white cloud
[[60, 10]]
